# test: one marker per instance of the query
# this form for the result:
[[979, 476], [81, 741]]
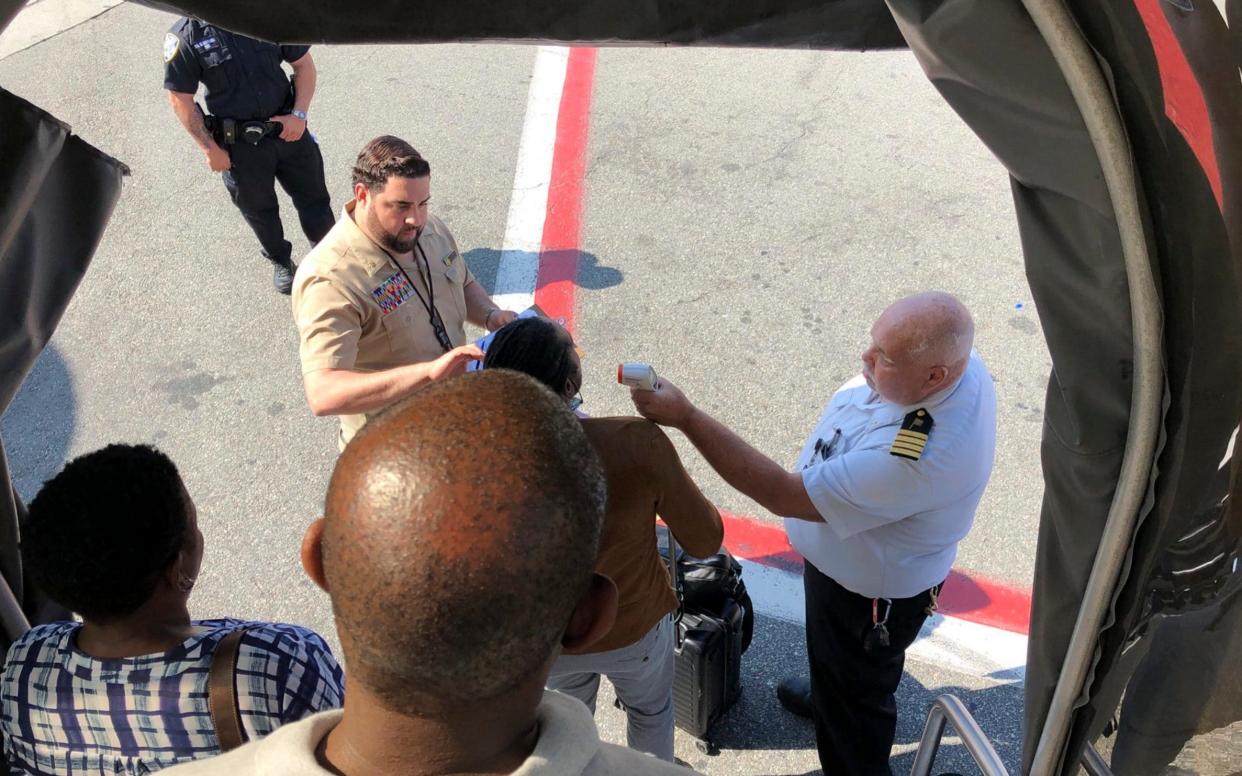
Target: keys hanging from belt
[[877, 637], [933, 600]]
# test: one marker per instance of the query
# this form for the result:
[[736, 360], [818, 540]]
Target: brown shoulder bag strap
[[222, 692], [674, 570]]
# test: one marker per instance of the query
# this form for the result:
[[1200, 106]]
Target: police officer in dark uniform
[[256, 133]]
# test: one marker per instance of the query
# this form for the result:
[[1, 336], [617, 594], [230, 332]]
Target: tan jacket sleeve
[[329, 327], [694, 520]]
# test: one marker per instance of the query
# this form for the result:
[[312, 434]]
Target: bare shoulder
[[625, 430]]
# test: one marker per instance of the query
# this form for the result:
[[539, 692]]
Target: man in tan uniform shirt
[[381, 302]]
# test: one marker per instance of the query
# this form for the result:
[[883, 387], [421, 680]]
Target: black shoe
[[794, 693], [282, 276]]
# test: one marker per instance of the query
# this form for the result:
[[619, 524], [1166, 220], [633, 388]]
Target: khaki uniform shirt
[[354, 309]]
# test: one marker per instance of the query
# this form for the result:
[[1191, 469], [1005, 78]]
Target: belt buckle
[[253, 132]]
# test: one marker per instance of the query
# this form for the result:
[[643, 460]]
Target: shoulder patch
[[912, 437], [171, 44]]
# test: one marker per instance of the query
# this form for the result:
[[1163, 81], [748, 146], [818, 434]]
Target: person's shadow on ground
[[38, 426], [483, 263]]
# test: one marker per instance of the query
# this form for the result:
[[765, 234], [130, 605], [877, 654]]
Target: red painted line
[[562, 230], [760, 542], [965, 595]]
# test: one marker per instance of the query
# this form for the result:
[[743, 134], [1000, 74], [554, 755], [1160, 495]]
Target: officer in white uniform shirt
[[885, 488]]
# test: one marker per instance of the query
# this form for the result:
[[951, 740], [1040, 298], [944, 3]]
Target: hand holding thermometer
[[637, 375]]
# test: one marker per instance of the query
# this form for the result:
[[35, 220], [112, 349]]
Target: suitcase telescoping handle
[[674, 570]]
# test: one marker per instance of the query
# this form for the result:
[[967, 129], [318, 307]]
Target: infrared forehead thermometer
[[637, 375]]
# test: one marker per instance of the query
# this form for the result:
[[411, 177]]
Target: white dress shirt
[[891, 524]]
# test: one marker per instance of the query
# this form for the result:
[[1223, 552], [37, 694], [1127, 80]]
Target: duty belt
[[229, 131]]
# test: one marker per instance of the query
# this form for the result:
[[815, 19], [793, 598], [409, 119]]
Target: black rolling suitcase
[[708, 676]]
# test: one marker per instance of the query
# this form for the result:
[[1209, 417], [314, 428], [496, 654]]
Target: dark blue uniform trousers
[[852, 689], [298, 166]]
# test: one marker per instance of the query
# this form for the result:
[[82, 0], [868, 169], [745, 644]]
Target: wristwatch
[[298, 114]]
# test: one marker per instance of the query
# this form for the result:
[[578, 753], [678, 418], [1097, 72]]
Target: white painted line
[[978, 650], [951, 642], [39, 21], [519, 258]]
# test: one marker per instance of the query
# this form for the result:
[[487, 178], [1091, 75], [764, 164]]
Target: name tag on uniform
[[212, 51], [392, 293]]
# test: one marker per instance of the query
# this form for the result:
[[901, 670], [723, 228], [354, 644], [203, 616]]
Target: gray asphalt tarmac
[[748, 214]]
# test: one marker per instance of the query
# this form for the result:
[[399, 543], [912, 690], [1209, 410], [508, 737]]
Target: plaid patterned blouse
[[64, 712]]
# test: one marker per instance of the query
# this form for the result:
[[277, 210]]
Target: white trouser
[[642, 674]]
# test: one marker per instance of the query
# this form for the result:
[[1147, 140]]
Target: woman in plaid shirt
[[114, 537]]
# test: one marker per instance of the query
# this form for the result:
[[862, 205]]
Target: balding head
[[460, 531], [919, 345]]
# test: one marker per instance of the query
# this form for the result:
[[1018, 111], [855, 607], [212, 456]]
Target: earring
[[185, 584]]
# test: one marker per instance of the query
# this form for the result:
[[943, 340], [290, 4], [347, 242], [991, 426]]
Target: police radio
[[638, 375]]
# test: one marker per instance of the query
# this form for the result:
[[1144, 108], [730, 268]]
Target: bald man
[[885, 488], [457, 545]]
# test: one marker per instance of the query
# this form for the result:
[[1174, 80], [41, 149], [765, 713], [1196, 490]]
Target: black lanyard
[[429, 303]]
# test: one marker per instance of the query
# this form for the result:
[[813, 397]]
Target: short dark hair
[[101, 532], [453, 577], [537, 347], [385, 157]]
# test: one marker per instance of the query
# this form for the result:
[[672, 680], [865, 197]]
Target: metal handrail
[[948, 709], [1094, 764]]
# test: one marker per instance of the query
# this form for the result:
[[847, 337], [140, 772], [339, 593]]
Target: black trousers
[[251, 183], [852, 688]]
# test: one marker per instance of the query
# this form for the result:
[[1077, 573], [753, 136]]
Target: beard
[[392, 241]]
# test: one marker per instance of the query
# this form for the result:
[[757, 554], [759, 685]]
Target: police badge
[[171, 44]]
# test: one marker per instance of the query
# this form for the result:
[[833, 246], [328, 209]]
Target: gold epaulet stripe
[[911, 439]]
